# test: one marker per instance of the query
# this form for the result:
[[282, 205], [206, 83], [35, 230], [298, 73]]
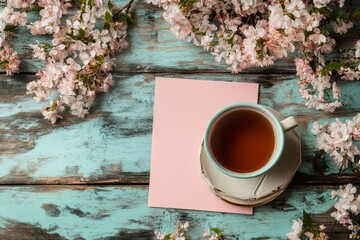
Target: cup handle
[[288, 124]]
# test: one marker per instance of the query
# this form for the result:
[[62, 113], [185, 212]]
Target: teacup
[[245, 140]]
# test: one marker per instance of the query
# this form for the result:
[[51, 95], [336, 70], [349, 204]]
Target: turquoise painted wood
[[115, 212], [88, 178], [112, 144], [154, 48]]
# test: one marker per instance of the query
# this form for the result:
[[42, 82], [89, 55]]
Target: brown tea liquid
[[242, 141]]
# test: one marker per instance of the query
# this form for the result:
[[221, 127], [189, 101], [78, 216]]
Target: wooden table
[[88, 178]]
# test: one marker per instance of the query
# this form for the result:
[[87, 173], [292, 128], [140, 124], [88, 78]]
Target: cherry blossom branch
[[79, 57], [338, 140], [247, 34], [127, 7], [180, 232], [79, 60]]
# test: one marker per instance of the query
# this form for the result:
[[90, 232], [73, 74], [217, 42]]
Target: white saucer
[[259, 190]]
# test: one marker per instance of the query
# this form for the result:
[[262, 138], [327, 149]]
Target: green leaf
[[167, 236], [107, 25], [310, 89], [212, 16], [291, 16], [214, 42], [37, 9], [9, 28], [110, 6], [186, 5], [281, 30], [129, 20], [122, 17], [324, 11], [100, 59], [108, 17], [356, 12], [307, 220], [81, 34], [308, 86], [216, 230], [334, 14], [182, 2], [4, 63], [332, 66]]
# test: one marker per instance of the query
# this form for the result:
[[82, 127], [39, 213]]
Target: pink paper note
[[182, 110]]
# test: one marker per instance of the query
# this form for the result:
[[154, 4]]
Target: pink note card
[[182, 110]]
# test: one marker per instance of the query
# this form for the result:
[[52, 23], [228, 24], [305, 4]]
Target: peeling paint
[[51, 210], [114, 212], [26, 231]]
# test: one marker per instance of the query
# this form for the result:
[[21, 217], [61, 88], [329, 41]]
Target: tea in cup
[[245, 140]]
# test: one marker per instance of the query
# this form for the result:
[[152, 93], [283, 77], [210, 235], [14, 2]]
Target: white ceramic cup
[[278, 127]]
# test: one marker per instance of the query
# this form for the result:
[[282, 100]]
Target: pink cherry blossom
[[79, 57], [229, 30], [347, 205], [338, 140], [20, 3]]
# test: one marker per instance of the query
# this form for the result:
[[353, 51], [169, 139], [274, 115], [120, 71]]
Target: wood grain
[[112, 144], [116, 212], [88, 178], [153, 48]]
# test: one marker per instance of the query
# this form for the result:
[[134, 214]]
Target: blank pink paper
[[182, 110]]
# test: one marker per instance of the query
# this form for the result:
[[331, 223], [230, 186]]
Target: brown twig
[[332, 229], [127, 7]]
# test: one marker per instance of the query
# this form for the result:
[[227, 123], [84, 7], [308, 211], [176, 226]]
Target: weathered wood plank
[[80, 212], [112, 144], [153, 48]]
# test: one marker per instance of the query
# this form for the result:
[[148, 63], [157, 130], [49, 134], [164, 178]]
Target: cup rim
[[273, 159]]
